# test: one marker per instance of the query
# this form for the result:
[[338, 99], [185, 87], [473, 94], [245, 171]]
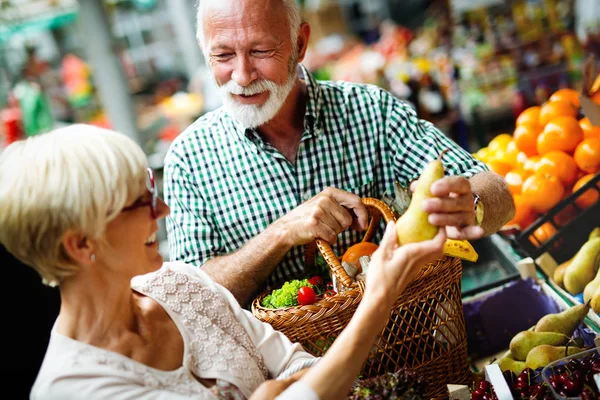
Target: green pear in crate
[[508, 362], [582, 269], [544, 354], [414, 226], [564, 322], [559, 272], [523, 342]]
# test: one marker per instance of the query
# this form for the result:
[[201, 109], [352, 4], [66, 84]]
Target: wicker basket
[[425, 332]]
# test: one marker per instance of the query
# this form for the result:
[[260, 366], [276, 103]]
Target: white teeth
[[151, 239]]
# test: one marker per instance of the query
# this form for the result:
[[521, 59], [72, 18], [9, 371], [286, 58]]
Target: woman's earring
[[93, 257]]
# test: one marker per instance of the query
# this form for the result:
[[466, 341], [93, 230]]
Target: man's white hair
[[77, 179], [291, 11]]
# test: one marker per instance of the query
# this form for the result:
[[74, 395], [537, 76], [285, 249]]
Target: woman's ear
[[77, 246]]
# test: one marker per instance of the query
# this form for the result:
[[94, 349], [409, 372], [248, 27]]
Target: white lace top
[[222, 341]]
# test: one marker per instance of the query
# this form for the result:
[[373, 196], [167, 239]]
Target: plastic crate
[[569, 238], [549, 370]]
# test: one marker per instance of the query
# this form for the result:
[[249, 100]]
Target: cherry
[[484, 385], [573, 364], [477, 393], [486, 396], [510, 377], [595, 366], [572, 386], [555, 382], [535, 389], [588, 394]]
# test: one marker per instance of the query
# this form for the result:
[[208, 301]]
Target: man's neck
[[284, 131]]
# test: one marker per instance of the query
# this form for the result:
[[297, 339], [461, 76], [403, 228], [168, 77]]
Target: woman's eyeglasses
[[151, 186]]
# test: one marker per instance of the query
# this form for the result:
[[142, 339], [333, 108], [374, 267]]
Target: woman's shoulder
[[177, 271]]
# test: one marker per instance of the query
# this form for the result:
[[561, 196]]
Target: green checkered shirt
[[225, 185]]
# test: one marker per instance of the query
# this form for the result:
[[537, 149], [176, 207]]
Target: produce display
[[551, 153], [298, 292], [403, 384]]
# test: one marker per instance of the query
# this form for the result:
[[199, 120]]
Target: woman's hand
[[392, 268], [274, 387]]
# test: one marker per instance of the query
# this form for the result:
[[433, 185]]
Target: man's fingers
[[466, 233], [341, 215], [458, 219], [450, 184], [448, 204], [325, 232], [353, 203]]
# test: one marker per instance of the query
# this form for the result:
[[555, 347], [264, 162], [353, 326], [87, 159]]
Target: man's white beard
[[253, 115]]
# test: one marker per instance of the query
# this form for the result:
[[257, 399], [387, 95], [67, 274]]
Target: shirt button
[[306, 195]]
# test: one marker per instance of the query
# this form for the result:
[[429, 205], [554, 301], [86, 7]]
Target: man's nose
[[244, 72]]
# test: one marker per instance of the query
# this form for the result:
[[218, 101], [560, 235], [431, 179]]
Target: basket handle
[[376, 208]]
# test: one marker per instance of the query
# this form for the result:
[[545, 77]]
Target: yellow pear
[[523, 342], [508, 362], [592, 287], [559, 273], [581, 270], [564, 322], [595, 301], [413, 226], [544, 354]]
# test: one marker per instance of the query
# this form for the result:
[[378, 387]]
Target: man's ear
[[78, 247], [303, 37]]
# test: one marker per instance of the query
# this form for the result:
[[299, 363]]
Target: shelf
[[50, 20]]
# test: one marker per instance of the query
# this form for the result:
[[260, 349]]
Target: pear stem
[[442, 154]]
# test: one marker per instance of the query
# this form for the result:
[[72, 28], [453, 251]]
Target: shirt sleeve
[[193, 238], [414, 142]]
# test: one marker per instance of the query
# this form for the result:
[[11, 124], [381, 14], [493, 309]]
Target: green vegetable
[[286, 296]]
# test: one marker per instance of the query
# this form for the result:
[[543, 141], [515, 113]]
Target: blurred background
[[469, 66]]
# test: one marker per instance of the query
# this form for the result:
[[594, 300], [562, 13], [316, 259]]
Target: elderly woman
[[80, 205]]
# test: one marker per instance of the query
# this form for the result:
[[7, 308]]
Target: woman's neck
[[97, 310]]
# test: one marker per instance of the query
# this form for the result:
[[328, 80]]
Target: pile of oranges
[[550, 154]]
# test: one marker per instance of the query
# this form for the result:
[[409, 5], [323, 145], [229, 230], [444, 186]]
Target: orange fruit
[[530, 164], [588, 129], [560, 165], [542, 234], [554, 109], [596, 97], [524, 215], [525, 138], [587, 155], [561, 133], [588, 197], [498, 166], [500, 142], [529, 116], [358, 250], [542, 192], [509, 155], [568, 95], [514, 179]]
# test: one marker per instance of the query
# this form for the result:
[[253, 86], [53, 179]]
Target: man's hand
[[453, 207], [324, 216]]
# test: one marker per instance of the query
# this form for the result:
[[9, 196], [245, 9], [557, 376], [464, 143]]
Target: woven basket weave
[[425, 332]]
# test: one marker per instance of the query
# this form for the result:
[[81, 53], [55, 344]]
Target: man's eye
[[223, 56], [262, 52]]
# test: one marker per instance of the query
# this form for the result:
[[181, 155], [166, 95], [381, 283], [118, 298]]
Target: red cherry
[[484, 385], [477, 393], [486, 396]]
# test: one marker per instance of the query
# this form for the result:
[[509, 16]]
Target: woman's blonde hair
[[74, 178]]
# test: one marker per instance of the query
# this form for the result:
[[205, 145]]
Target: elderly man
[[287, 159]]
